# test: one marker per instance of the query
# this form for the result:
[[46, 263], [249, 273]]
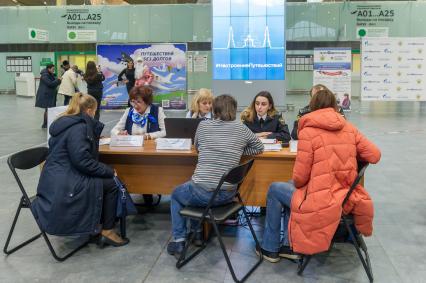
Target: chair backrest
[[25, 160], [362, 166], [236, 175]]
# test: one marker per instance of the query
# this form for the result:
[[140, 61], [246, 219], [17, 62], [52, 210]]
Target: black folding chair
[[218, 214], [347, 224], [25, 160]]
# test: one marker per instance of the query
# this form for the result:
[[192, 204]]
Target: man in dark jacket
[[76, 193], [46, 93]]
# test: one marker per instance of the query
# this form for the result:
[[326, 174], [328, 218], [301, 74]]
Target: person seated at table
[[306, 110], [325, 168], [201, 105], [220, 144], [262, 118], [76, 193], [143, 118]]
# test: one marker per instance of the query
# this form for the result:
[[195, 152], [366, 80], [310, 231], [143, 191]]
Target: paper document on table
[[293, 146], [173, 144], [272, 147], [129, 140], [268, 141], [104, 141]]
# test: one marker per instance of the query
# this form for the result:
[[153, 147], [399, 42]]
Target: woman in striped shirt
[[220, 144]]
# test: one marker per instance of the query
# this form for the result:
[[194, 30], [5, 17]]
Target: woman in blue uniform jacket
[[262, 118], [76, 194]]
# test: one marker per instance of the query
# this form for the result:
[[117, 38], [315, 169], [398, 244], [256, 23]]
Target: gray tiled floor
[[397, 248]]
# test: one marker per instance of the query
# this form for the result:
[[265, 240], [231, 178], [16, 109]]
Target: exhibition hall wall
[[308, 25]]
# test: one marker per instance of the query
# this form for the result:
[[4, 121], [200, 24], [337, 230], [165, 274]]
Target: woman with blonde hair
[[263, 119], [76, 194], [201, 105]]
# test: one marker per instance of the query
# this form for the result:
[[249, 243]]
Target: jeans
[[190, 194], [277, 202]]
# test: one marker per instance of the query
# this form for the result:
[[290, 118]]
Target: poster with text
[[160, 66], [332, 68], [393, 69]]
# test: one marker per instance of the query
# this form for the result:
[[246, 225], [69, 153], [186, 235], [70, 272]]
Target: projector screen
[[248, 39]]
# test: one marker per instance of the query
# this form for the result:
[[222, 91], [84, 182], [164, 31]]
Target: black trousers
[[97, 94], [67, 100], [109, 205]]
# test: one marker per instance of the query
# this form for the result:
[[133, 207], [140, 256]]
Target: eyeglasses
[[135, 101]]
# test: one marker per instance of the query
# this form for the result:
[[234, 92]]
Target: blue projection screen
[[248, 39]]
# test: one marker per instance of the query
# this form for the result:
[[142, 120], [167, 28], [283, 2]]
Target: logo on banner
[[387, 66], [387, 50], [387, 81], [367, 74], [386, 95], [366, 88]]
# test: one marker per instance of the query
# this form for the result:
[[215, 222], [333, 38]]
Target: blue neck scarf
[[140, 119]]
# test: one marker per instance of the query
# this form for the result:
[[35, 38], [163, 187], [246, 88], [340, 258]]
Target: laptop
[[181, 128]]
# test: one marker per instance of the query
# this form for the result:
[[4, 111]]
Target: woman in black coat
[[94, 79], [262, 118], [76, 194], [46, 93], [129, 73]]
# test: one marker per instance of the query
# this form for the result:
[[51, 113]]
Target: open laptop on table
[[182, 128]]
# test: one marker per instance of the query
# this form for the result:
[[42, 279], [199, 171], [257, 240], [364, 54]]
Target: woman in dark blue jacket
[[263, 119], [76, 194], [46, 93]]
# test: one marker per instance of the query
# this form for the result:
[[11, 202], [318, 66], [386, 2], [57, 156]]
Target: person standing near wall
[[94, 79], [68, 85], [46, 93]]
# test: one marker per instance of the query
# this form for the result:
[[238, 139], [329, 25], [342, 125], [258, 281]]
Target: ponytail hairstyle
[[80, 103]]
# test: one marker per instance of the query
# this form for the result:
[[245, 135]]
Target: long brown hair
[[91, 72], [323, 99], [80, 103], [250, 112]]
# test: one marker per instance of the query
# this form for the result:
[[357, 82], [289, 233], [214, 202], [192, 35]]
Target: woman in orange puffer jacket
[[325, 168]]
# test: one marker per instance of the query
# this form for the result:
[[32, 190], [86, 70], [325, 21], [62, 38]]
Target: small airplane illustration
[[124, 58]]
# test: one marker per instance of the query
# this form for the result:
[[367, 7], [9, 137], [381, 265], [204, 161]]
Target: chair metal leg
[[365, 261], [12, 228], [123, 227], [303, 263], [183, 259], [55, 255], [228, 261]]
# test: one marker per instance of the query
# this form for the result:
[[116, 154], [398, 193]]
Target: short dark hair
[[48, 66], [323, 99], [143, 92], [225, 107], [65, 63]]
